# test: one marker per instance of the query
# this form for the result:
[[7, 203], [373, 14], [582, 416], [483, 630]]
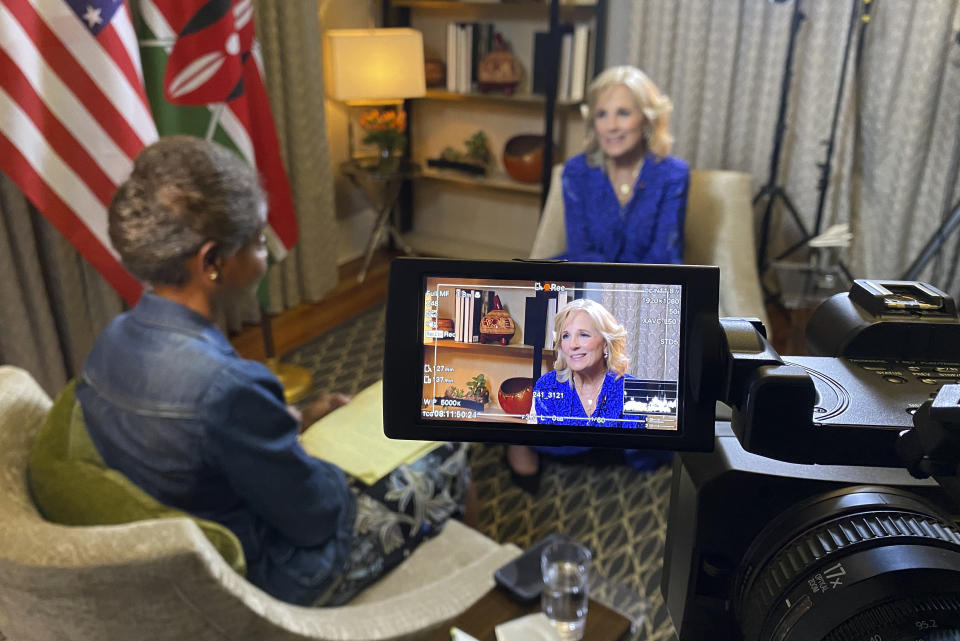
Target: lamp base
[[296, 380]]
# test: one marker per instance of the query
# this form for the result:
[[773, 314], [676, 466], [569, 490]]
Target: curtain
[[894, 168], [53, 304], [289, 37], [649, 315]]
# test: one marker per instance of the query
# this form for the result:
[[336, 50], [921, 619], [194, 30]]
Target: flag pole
[[296, 380]]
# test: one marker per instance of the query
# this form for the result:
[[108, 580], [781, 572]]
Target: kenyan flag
[[203, 78]]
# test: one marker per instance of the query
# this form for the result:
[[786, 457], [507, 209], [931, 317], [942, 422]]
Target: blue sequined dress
[[648, 229], [557, 403]]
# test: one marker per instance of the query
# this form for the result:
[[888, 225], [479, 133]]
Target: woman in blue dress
[[625, 201], [585, 387], [625, 197], [586, 384]]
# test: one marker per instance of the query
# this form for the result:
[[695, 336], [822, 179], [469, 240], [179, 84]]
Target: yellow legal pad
[[352, 438]]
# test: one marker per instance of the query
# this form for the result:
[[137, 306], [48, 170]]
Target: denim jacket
[[169, 403]]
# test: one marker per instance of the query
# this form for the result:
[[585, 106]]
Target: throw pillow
[[72, 485]]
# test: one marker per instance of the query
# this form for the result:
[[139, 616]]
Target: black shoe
[[529, 483]]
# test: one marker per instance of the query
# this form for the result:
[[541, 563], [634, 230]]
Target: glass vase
[[389, 161]]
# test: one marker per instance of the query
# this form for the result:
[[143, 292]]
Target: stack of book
[[573, 63], [471, 306]]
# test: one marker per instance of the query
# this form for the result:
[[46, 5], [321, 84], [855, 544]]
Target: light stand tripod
[[774, 191], [933, 245], [948, 226]]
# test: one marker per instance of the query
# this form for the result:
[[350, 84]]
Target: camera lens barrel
[[852, 564]]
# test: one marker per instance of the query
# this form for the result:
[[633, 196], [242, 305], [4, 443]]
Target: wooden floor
[[298, 325], [306, 321]]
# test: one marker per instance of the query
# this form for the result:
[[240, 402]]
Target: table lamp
[[373, 67]]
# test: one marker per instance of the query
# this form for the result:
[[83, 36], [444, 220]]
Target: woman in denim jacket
[[169, 403]]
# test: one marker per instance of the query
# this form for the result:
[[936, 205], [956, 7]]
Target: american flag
[[73, 116]]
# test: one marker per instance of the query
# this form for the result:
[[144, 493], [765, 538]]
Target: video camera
[[806, 515]]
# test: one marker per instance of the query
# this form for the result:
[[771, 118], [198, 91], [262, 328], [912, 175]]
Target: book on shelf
[[572, 63], [464, 51], [465, 318], [466, 323], [458, 316], [543, 58], [579, 72], [551, 315], [452, 56], [477, 302], [473, 334], [566, 54], [534, 314]]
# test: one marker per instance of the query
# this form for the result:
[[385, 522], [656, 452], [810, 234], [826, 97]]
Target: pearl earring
[[214, 276]]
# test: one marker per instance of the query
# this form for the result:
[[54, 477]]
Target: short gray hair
[[183, 192], [653, 104]]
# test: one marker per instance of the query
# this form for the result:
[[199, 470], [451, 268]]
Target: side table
[[381, 187], [495, 607]]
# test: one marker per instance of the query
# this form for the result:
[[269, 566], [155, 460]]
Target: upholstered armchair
[[719, 231], [161, 579]]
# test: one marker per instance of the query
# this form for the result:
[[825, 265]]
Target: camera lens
[[861, 563]]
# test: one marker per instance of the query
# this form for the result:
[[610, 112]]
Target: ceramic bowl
[[523, 158], [516, 395]]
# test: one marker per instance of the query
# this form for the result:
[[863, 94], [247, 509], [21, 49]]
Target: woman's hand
[[320, 408]]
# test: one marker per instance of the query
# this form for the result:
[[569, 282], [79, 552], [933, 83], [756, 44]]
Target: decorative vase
[[516, 395], [389, 160], [523, 157], [497, 326], [499, 69]]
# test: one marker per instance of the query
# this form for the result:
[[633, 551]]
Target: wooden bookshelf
[[493, 181]]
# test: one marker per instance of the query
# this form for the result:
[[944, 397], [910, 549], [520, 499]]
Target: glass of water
[[566, 568]]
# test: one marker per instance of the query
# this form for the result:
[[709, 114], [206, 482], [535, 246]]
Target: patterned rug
[[618, 512]]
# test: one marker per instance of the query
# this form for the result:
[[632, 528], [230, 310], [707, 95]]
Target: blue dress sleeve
[[576, 211], [256, 447], [669, 242]]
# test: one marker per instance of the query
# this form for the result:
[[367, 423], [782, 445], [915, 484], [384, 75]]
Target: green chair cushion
[[72, 485]]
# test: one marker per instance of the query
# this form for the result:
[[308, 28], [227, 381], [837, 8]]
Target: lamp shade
[[370, 65]]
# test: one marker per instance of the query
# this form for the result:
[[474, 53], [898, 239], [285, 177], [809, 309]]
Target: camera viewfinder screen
[[598, 356]]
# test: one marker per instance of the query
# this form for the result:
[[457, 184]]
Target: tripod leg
[[796, 219], [933, 245], [766, 189], [764, 236], [374, 240]]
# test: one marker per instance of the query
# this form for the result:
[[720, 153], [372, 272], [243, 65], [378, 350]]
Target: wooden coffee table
[[495, 607]]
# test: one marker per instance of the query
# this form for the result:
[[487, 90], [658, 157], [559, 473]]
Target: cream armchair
[[719, 231], [163, 580]]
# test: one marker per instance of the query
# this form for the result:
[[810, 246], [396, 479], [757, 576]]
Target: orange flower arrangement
[[385, 128]]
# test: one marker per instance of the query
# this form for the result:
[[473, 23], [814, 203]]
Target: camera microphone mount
[[932, 447]]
